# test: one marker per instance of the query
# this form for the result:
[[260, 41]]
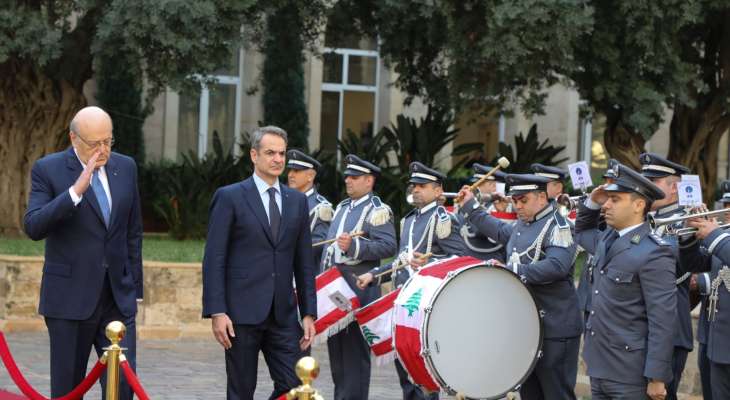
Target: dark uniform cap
[[299, 160], [423, 174], [525, 183], [355, 166], [629, 181], [609, 174], [553, 173], [481, 170], [654, 166], [725, 188]]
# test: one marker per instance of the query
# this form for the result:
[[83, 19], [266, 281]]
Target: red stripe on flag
[[327, 277], [408, 346], [382, 348], [504, 215], [442, 268], [322, 323], [376, 308]]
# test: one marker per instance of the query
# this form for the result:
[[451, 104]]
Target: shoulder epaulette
[[561, 235], [344, 202], [322, 199], [324, 211], [443, 223], [380, 213], [658, 239]]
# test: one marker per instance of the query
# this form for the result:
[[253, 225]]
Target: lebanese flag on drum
[[376, 324], [336, 303], [409, 315], [509, 217]]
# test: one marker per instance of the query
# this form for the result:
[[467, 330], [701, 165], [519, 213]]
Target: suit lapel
[[253, 198], [112, 172], [75, 169], [601, 250], [622, 243], [625, 242]]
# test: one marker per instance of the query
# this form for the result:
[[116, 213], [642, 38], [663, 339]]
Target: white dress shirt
[[263, 188]]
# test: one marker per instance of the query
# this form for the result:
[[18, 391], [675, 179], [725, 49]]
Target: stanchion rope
[[33, 394]]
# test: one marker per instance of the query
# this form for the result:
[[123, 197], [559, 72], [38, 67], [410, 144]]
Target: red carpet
[[10, 396]]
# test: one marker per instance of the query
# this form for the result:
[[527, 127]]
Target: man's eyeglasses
[[96, 144]]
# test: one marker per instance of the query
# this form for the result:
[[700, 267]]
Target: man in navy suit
[[84, 202], [258, 242]]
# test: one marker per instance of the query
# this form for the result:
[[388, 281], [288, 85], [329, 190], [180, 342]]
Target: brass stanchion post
[[115, 333], [307, 370]]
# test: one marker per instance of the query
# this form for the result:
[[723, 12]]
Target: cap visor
[[353, 172]]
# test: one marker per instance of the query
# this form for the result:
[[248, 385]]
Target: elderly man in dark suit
[[630, 329], [258, 243], [84, 202]]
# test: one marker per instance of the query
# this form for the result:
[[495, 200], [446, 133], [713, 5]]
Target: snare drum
[[467, 328]]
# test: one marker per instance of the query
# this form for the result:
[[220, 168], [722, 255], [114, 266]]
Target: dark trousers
[[411, 391], [703, 364], [350, 363], [720, 376], [555, 374], [603, 389], [679, 359], [72, 340], [280, 345]]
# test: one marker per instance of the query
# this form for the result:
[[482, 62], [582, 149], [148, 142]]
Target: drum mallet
[[328, 241], [502, 163], [398, 266]]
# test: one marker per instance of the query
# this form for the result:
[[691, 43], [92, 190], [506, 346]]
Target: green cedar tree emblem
[[370, 337], [413, 302]]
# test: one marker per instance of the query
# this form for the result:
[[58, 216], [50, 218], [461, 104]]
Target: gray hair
[[259, 133]]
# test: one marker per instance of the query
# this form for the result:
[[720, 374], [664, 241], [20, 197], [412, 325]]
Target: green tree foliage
[[283, 74], [120, 92], [631, 60], [631, 68], [473, 53], [699, 122], [527, 151], [181, 193]]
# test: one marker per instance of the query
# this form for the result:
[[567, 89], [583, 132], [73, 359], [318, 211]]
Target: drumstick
[[397, 266], [328, 241], [503, 162]]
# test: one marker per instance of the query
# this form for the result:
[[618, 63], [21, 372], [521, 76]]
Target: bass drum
[[480, 333]]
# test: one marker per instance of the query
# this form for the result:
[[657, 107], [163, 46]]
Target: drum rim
[[424, 334]]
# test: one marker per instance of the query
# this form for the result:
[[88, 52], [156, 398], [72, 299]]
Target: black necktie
[[611, 239], [274, 216]]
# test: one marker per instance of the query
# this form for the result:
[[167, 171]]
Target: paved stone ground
[[180, 370], [188, 369]]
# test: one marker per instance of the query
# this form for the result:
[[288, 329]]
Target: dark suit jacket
[[245, 269], [80, 249]]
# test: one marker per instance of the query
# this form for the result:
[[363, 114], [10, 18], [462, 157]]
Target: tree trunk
[[622, 143], [694, 137], [34, 118]]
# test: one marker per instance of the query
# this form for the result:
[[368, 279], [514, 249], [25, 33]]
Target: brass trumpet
[[685, 231]]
